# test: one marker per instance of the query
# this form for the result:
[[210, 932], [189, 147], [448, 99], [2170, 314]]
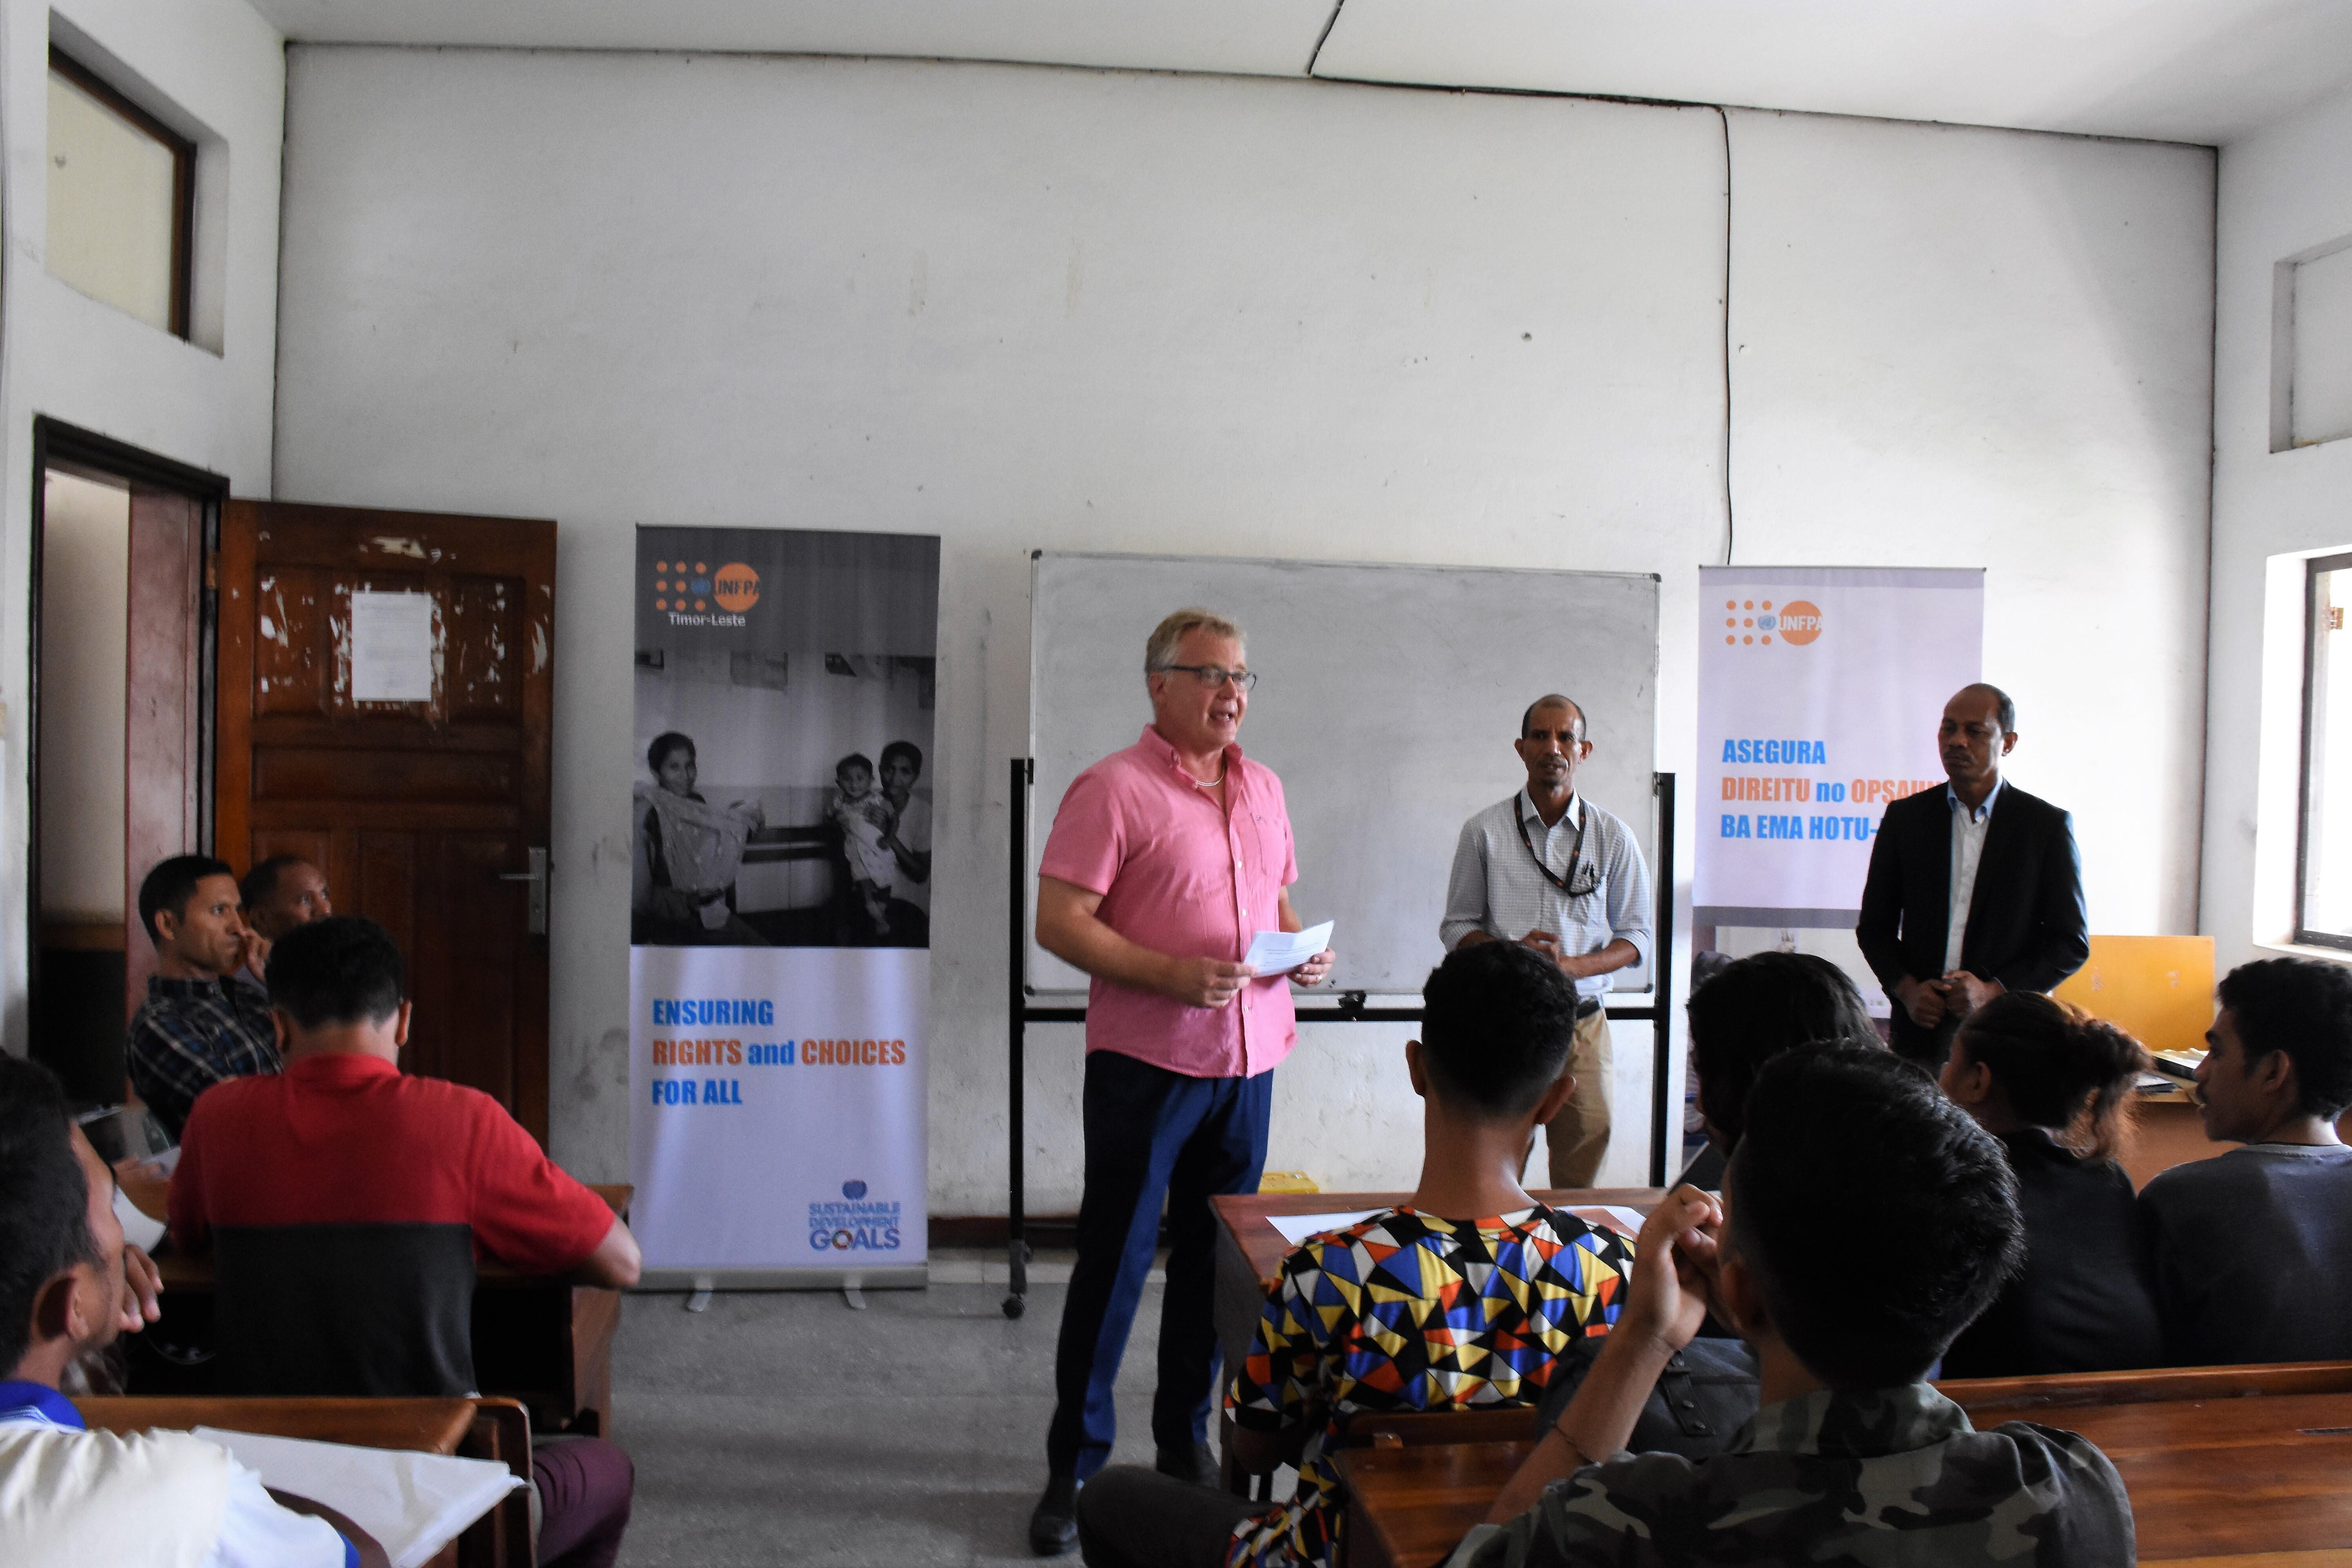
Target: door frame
[[58, 444]]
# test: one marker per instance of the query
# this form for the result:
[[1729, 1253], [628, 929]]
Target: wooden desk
[[492, 1429], [1409, 1507], [2167, 1132], [414, 1426], [2222, 1466], [542, 1341]]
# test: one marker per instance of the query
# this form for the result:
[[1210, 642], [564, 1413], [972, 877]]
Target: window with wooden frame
[[2324, 854], [121, 199]]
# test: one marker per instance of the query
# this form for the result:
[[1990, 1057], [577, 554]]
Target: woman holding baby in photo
[[685, 855]]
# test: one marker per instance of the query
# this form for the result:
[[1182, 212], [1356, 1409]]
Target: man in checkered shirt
[[1552, 871], [200, 1025]]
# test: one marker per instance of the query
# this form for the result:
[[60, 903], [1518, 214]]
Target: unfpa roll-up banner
[[1819, 693], [779, 832]]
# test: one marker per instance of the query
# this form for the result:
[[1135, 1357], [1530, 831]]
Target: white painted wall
[[1030, 307], [2281, 192], [1969, 348], [85, 677], [217, 71]]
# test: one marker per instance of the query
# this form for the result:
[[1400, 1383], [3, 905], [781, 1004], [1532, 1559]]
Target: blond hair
[[1160, 647]]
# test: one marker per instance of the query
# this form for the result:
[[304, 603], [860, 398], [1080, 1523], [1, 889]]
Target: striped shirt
[[190, 1035], [1497, 888]]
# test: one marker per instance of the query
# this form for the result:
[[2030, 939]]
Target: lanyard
[[1576, 884]]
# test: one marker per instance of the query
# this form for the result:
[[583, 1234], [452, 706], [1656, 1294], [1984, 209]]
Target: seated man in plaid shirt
[[199, 1024]]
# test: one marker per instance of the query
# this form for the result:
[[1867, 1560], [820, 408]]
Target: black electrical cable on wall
[[1729, 524]]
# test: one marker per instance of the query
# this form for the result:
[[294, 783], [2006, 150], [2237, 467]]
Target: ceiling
[[2184, 70]]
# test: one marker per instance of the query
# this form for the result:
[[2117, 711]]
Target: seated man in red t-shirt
[[344, 1137]]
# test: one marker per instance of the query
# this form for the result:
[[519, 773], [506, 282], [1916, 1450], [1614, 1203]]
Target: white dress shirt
[[1495, 886], [70, 1498], [1968, 850]]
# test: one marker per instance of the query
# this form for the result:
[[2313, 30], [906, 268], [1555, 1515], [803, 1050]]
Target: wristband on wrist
[[1582, 1459]]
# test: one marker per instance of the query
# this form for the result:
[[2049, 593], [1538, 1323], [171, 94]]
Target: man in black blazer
[[2012, 860]]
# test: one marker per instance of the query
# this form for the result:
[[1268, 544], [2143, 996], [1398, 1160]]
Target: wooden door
[[426, 815]]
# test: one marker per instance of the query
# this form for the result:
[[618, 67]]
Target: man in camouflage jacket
[[1874, 1221]]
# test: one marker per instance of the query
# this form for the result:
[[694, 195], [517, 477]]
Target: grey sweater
[[2253, 1255]]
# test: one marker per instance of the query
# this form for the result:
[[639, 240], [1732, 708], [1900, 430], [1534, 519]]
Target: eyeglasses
[[1213, 676]]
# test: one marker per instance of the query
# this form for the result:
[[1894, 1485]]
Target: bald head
[[1979, 693], [1551, 699], [1551, 745], [1979, 729]]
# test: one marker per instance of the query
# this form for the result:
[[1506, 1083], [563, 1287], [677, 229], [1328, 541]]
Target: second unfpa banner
[[1819, 689]]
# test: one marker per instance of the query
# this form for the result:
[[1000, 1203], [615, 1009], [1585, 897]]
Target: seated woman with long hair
[[2052, 1083]]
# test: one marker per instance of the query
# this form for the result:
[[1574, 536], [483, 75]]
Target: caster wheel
[[1015, 1306]]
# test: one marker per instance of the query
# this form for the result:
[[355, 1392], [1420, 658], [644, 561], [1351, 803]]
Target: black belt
[[1585, 1007]]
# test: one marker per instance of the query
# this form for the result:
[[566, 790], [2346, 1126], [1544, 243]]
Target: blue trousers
[[1150, 1133]]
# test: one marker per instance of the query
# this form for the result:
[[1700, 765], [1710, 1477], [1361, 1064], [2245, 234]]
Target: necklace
[[1207, 783]]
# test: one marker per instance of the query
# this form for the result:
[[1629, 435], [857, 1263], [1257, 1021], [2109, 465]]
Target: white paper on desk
[[1626, 1222], [1297, 1227], [392, 646], [137, 1229], [1280, 951], [413, 1504]]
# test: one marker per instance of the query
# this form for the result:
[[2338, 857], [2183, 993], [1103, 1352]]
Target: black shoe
[[1054, 1523], [1195, 1462]]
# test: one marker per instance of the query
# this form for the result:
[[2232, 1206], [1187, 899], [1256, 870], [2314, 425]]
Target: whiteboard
[[1387, 699]]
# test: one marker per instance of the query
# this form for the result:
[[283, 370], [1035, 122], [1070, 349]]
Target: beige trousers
[[1577, 1138]]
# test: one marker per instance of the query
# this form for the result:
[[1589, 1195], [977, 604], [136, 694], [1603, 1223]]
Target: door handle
[[536, 878]]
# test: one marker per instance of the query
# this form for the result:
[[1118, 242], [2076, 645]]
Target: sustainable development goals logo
[[856, 1224]]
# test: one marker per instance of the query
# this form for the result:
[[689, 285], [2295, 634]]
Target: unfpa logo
[[734, 586], [1752, 621]]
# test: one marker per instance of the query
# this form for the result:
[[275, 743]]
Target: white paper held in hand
[[1280, 951]]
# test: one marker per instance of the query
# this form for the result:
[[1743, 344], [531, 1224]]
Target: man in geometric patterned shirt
[[200, 1025], [1463, 1299]]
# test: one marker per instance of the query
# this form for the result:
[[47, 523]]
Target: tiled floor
[[785, 1428]]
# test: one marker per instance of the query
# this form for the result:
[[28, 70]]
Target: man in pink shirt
[[1164, 860]]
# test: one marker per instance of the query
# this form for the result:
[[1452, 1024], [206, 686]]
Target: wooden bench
[[2240, 1465]]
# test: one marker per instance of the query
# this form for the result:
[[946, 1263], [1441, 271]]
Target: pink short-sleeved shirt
[[1178, 876]]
